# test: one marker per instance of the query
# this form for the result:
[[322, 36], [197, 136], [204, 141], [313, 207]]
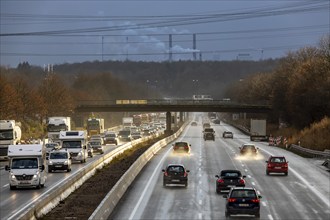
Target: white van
[[75, 142], [26, 165]]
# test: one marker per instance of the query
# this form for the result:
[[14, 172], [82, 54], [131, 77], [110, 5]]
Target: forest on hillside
[[297, 85]]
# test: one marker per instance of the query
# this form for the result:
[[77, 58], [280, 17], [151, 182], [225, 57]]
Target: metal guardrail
[[310, 153]]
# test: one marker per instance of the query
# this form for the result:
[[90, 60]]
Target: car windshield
[[175, 169], [278, 160], [124, 133], [230, 174], [110, 135], [25, 163], [243, 194], [95, 143], [58, 155], [208, 130], [51, 145], [181, 144], [249, 147], [71, 144]]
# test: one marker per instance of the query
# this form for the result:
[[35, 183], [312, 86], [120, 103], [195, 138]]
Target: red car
[[277, 164]]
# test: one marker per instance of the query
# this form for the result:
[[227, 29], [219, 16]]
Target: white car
[[59, 160]]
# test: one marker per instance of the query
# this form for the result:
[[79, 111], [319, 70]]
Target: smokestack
[[170, 47], [194, 46]]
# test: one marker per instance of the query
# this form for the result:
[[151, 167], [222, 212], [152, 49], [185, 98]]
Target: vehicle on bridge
[[243, 200], [175, 174]]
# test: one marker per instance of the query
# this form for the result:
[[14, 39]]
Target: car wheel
[[49, 170], [218, 191], [68, 170], [286, 173], [227, 214], [186, 184], [257, 215], [164, 183], [267, 173], [12, 187], [38, 186]]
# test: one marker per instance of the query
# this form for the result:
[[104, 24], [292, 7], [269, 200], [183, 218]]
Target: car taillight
[[185, 174], [165, 174], [241, 181], [231, 200], [286, 165], [269, 165], [255, 200], [186, 147], [221, 181]]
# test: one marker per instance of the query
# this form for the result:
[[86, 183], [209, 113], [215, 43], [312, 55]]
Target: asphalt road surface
[[303, 194]]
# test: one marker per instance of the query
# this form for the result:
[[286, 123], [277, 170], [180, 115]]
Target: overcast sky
[[45, 32]]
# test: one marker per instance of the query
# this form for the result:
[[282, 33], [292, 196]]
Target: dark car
[[216, 121], [97, 146], [248, 149], [206, 125], [110, 138], [227, 134], [175, 174], [208, 134], [277, 164], [229, 179], [124, 135], [243, 200], [183, 147], [193, 123]]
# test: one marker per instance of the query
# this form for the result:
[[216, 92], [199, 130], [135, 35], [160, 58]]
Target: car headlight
[[50, 162], [80, 153], [12, 176], [36, 175], [66, 162]]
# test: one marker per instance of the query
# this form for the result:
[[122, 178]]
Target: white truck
[[76, 143], [55, 125], [26, 166], [127, 122], [10, 134], [258, 129]]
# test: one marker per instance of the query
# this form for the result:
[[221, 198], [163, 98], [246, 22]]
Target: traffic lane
[[14, 200], [139, 202], [297, 201]]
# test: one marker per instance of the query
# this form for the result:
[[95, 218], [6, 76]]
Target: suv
[[206, 125], [181, 147], [175, 174], [208, 134], [243, 200], [277, 164], [248, 149], [228, 179], [110, 138], [59, 160]]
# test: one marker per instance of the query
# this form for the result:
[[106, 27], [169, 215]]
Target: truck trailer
[[10, 134], [26, 166], [258, 130], [76, 143], [55, 125]]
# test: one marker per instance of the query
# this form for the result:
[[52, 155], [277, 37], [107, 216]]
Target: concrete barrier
[[52, 198], [104, 210]]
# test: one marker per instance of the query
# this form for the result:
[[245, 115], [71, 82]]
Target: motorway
[[14, 200], [303, 194]]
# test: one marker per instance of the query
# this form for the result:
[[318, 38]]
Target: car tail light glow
[[231, 200], [166, 174], [221, 181], [185, 174], [255, 200], [241, 181], [286, 165]]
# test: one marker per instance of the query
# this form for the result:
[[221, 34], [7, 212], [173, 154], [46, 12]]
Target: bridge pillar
[[181, 116], [168, 123]]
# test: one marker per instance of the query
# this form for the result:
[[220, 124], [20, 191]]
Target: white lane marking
[[200, 216], [200, 202], [270, 217], [137, 205], [264, 203], [246, 170], [253, 183], [200, 182], [148, 184], [5, 185], [249, 176], [315, 191]]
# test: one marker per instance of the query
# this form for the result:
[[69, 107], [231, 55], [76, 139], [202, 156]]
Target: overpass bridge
[[168, 106]]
